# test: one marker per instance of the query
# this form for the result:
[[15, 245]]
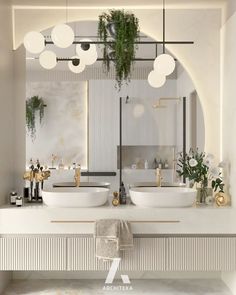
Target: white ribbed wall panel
[[90, 73], [33, 253], [149, 254], [201, 254]]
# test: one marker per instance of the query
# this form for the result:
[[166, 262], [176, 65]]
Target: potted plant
[[199, 168], [33, 105], [123, 27]]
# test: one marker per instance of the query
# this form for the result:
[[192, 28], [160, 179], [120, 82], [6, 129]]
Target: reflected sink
[[164, 197], [75, 197]]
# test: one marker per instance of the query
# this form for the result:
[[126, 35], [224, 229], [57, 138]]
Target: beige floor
[[92, 287]]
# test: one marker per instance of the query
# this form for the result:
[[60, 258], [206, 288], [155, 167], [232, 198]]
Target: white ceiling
[[124, 3]]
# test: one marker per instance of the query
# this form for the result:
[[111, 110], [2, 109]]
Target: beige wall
[[201, 60], [19, 117], [6, 111], [228, 43]]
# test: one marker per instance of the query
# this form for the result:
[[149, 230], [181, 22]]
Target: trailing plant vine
[[33, 105], [126, 27]]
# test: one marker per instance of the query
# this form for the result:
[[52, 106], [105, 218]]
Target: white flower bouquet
[[199, 168]]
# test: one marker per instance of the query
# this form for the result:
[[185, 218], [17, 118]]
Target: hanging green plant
[[123, 27], [33, 105]]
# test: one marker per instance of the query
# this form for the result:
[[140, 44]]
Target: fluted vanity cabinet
[[161, 254], [157, 253], [33, 253]]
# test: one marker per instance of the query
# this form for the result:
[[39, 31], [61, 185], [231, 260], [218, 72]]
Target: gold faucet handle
[[46, 174]]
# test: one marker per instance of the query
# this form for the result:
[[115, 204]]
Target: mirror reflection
[[80, 121]]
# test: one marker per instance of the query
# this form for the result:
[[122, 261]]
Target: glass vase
[[202, 193]]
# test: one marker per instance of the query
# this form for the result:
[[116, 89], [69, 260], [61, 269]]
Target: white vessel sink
[[163, 196], [75, 196]]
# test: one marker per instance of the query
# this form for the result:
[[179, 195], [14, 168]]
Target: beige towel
[[107, 228], [112, 235], [126, 237]]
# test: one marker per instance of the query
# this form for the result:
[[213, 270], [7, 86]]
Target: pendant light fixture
[[76, 65], [62, 36], [87, 52], [34, 42], [48, 59], [156, 79], [164, 64]]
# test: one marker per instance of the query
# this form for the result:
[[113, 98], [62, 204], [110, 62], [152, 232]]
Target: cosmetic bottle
[[160, 164], [166, 166], [61, 164], [122, 194], [26, 194], [13, 196], [146, 164], [19, 201], [155, 164]]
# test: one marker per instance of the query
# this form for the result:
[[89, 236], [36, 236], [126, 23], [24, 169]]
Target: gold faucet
[[77, 176], [158, 177]]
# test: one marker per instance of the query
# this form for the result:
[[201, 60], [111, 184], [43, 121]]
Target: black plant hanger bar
[[164, 42], [138, 42]]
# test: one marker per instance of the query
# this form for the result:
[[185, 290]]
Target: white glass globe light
[[156, 79], [164, 64], [89, 57], [34, 42], [83, 48], [62, 35], [48, 59], [76, 69]]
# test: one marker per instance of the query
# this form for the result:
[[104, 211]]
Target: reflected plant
[[33, 105]]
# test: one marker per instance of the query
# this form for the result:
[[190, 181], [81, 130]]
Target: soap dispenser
[[122, 194]]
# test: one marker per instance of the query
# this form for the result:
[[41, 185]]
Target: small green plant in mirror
[[33, 105], [123, 27], [198, 167]]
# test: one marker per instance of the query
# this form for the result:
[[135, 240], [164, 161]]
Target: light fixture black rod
[[184, 134], [102, 59], [120, 141], [164, 26], [138, 42]]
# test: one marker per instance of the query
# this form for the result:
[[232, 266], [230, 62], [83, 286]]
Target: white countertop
[[40, 219]]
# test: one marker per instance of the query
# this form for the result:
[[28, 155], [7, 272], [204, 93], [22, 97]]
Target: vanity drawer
[[148, 254], [201, 254], [33, 253]]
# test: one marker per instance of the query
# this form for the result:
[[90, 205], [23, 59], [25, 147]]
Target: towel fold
[[112, 235], [126, 237]]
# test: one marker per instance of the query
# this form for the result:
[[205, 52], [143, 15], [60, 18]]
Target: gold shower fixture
[[160, 105]]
